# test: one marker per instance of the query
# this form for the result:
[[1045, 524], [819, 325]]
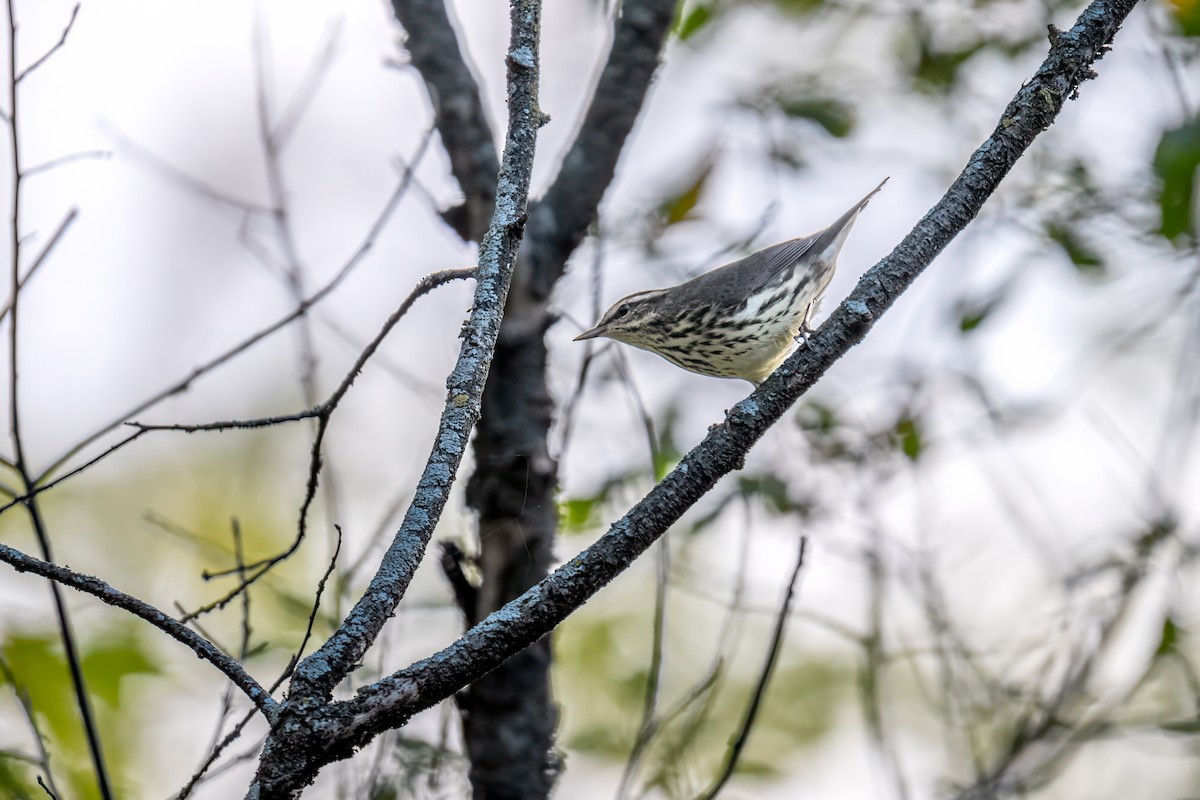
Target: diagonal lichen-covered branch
[[526, 619]]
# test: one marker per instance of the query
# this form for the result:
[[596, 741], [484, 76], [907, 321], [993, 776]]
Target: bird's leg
[[806, 327]]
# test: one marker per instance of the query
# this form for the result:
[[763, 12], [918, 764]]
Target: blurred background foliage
[[999, 484]]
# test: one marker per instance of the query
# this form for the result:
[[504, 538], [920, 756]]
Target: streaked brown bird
[[736, 321]]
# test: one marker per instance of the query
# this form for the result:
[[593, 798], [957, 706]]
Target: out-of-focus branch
[[535, 613], [760, 687], [458, 111], [360, 253], [559, 221], [54, 48], [20, 461], [42, 761]]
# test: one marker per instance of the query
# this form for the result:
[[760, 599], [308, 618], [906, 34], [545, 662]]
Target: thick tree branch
[[509, 717], [321, 671], [202, 647], [303, 741], [391, 701], [559, 221], [458, 111]]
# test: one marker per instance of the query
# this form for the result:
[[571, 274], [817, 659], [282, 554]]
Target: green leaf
[[38, 665], [907, 435], [769, 488], [973, 312], [577, 515], [600, 740], [113, 657], [799, 7], [755, 768], [1176, 161], [692, 20], [666, 452], [1085, 258], [938, 69], [971, 318], [680, 206], [836, 117], [817, 417], [815, 686], [1170, 635], [15, 780], [1187, 15]]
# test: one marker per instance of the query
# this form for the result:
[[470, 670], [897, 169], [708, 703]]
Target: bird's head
[[633, 319]]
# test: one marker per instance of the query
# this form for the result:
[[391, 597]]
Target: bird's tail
[[836, 233]]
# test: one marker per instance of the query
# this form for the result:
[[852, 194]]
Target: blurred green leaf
[[577, 515], [680, 206], [600, 741], [769, 488], [1085, 258], [799, 7], [691, 19], [667, 454], [816, 417], [16, 782], [907, 435], [1170, 635], [826, 434], [756, 768], [973, 312], [803, 699], [1187, 14], [1175, 161], [972, 317], [117, 655], [38, 665], [938, 69], [836, 117]]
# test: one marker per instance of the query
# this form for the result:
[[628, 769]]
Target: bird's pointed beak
[[599, 330]]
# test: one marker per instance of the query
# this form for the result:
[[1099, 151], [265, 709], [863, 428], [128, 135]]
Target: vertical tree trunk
[[509, 717]]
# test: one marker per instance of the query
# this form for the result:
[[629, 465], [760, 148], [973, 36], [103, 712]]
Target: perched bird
[[736, 321]]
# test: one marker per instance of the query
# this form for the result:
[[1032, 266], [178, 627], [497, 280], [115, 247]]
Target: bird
[[740, 320]]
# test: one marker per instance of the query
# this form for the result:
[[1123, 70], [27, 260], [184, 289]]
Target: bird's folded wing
[[776, 260]]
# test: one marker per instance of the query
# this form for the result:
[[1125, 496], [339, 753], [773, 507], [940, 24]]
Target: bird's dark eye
[[622, 311]]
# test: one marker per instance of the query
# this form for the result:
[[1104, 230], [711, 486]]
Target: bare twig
[[20, 498], [55, 163], [178, 176], [62, 40], [41, 256], [323, 414], [312, 615], [143, 610], [66, 633], [310, 83], [764, 678], [22, 695], [360, 252]]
